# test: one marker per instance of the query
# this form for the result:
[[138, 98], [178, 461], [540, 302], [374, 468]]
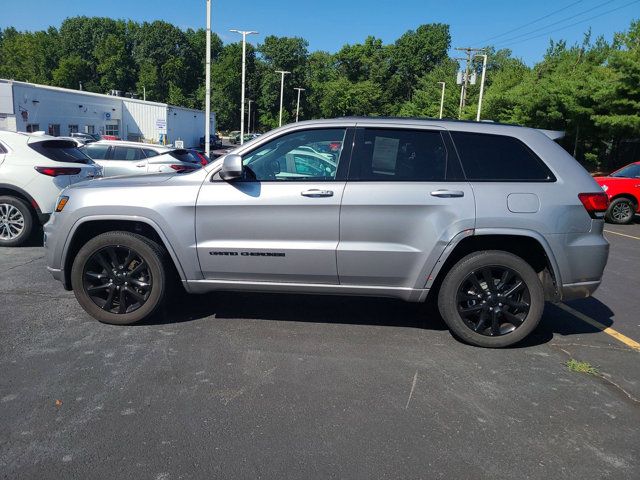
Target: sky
[[329, 24]]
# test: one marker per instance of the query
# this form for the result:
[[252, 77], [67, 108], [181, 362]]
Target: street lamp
[[207, 88], [441, 98], [244, 34], [283, 73], [249, 116], [298, 107], [484, 70]]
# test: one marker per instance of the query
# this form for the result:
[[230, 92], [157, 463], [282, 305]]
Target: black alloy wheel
[[491, 298], [117, 279], [121, 277], [493, 301]]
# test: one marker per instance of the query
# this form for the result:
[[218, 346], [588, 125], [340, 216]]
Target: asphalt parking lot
[[284, 386]]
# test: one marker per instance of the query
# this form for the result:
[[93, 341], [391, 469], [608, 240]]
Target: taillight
[[182, 168], [57, 171], [203, 159], [595, 203]]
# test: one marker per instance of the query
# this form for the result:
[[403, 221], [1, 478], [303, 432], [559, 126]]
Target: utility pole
[[442, 98], [298, 107], [283, 73], [249, 116], [465, 80], [484, 71], [207, 88], [244, 56], [144, 93]]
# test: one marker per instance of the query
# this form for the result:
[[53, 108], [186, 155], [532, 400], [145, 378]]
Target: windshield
[[630, 171]]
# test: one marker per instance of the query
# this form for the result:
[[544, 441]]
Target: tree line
[[590, 89]]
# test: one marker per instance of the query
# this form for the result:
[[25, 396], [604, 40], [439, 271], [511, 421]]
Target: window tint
[[309, 155], [60, 151], [498, 158], [399, 155], [150, 153], [185, 156], [630, 171], [126, 153], [97, 152]]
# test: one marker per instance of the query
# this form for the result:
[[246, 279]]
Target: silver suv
[[492, 220]]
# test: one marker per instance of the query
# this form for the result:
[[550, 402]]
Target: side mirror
[[231, 167]]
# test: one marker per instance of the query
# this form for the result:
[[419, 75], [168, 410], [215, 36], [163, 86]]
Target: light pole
[[283, 73], [442, 98], [244, 34], [484, 71], [207, 88], [249, 116], [298, 106]]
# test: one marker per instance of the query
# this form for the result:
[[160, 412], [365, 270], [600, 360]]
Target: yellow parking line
[[608, 330], [622, 234]]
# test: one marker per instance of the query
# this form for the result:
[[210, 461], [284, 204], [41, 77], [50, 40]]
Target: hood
[[125, 181]]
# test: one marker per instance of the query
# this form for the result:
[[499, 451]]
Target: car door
[[99, 153], [125, 160], [276, 224], [405, 199]]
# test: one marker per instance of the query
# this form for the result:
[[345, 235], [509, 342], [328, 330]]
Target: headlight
[[62, 201], [605, 188]]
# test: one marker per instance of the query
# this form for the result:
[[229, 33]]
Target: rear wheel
[[16, 222], [621, 211], [119, 277], [491, 299]]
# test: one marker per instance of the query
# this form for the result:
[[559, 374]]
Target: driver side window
[[309, 155]]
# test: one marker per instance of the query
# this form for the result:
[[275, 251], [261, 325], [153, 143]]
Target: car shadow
[[361, 311]]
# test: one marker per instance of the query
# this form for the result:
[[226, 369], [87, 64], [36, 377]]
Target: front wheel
[[491, 299], [119, 277], [621, 211]]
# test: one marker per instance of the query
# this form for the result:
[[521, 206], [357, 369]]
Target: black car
[[214, 142]]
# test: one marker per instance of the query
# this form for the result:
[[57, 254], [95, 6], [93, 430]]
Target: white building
[[27, 107]]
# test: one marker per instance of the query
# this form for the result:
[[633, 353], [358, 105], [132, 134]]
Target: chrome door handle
[[447, 193], [141, 165], [314, 193]]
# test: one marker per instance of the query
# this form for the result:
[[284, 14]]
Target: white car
[[134, 158], [33, 171]]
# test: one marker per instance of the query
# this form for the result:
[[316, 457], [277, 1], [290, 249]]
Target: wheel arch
[[89, 227], [528, 245], [8, 189]]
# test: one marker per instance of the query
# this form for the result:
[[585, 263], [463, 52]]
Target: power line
[[557, 22], [576, 23], [533, 21]]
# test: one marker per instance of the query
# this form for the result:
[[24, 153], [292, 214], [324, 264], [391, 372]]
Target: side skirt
[[407, 294]]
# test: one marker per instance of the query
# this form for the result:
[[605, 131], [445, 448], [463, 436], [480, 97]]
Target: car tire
[[467, 299], [621, 211], [102, 293], [16, 222]]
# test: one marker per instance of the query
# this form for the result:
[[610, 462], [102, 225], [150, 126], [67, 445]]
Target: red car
[[623, 189]]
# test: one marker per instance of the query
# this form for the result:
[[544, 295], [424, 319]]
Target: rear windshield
[[61, 151], [185, 156]]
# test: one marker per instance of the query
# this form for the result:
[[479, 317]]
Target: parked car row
[[34, 168]]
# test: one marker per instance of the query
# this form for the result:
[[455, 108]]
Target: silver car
[[488, 220], [133, 158]]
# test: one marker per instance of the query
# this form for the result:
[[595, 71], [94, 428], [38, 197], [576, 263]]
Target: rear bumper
[[573, 291]]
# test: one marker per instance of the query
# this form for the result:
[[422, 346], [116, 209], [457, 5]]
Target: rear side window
[[97, 152], [60, 151], [499, 158], [126, 153], [399, 155]]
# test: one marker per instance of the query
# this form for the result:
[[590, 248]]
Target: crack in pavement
[[23, 264]]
